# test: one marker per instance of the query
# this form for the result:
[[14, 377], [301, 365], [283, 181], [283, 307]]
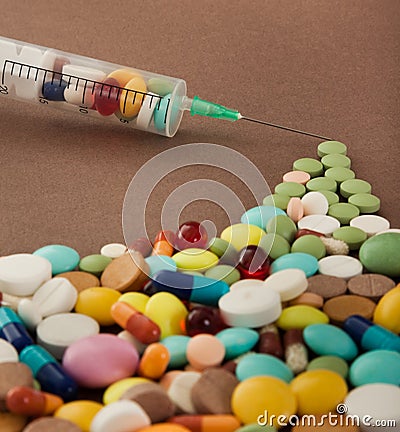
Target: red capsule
[[27, 401], [191, 235], [143, 328], [254, 263]]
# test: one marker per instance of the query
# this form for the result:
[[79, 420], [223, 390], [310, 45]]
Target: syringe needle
[[285, 128]]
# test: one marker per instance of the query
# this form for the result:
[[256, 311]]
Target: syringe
[[90, 87]]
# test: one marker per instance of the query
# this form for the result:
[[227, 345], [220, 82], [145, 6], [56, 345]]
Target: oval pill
[[260, 215], [242, 235], [318, 391], [253, 396], [256, 364], [154, 361], [326, 339], [300, 317], [237, 341], [80, 412], [377, 366], [381, 254], [195, 259], [94, 264], [284, 226], [296, 260], [386, 311], [177, 347], [168, 312], [205, 350], [62, 258], [96, 303], [115, 359]]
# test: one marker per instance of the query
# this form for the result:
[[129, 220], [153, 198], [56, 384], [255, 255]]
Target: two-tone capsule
[[13, 330], [371, 336], [196, 289], [50, 374], [143, 328], [27, 401]]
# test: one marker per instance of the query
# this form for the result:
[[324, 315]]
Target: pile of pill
[[292, 313], [125, 93]]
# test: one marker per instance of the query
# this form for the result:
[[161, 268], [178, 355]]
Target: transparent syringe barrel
[[90, 87]]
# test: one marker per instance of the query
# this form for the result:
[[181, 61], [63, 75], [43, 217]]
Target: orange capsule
[[30, 402], [143, 328], [163, 244], [154, 361], [208, 422]]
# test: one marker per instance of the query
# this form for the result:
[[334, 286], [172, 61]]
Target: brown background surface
[[330, 67]]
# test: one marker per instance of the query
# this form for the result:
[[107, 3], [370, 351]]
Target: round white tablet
[[180, 391], [113, 250], [246, 283], [288, 283], [120, 416], [315, 203], [371, 224], [57, 332], [22, 274], [373, 403], [55, 296], [342, 266], [150, 102], [321, 223], [8, 354], [252, 306]]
